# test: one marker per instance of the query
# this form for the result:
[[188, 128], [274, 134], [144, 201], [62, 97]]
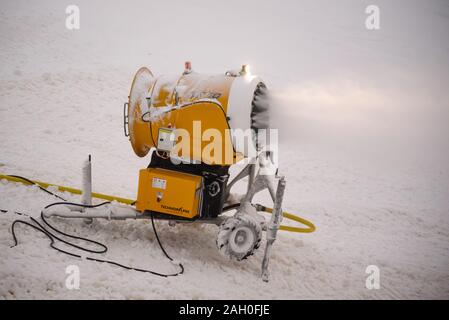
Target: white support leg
[[265, 179], [87, 182], [273, 227], [251, 175], [86, 197]]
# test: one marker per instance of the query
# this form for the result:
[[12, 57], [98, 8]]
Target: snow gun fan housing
[[236, 101], [198, 126]]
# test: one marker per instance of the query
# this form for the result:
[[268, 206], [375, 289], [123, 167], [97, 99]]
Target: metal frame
[[257, 182]]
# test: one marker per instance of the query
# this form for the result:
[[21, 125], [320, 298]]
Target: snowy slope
[[363, 143]]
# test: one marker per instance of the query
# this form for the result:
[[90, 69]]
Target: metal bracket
[[264, 179], [273, 227], [126, 119]]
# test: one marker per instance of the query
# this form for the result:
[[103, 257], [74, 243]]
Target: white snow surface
[[363, 143]]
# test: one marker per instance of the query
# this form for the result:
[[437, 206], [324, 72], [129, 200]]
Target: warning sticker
[[159, 183], [165, 139]]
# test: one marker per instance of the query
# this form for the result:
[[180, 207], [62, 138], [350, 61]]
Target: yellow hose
[[68, 189], [290, 216], [310, 225]]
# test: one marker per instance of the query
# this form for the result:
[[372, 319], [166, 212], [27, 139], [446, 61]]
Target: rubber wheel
[[239, 237]]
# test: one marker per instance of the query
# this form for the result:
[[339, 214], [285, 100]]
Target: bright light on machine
[[245, 71]]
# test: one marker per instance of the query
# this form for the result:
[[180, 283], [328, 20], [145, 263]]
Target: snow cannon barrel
[[213, 119]]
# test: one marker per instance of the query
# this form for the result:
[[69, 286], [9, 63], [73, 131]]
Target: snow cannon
[[197, 126], [162, 111], [194, 127]]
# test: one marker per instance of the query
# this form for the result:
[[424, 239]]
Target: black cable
[[39, 227], [77, 204], [70, 235], [151, 133], [34, 183], [16, 212], [160, 245], [230, 207], [52, 238]]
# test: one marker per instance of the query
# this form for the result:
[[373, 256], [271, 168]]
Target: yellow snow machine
[[194, 127]]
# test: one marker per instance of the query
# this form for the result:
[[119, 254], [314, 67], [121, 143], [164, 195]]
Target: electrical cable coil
[[52, 236]]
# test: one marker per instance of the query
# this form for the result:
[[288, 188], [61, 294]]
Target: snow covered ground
[[363, 143]]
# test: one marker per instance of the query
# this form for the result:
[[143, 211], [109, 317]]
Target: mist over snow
[[363, 131]]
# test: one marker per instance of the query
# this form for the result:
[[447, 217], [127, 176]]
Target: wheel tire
[[238, 237]]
